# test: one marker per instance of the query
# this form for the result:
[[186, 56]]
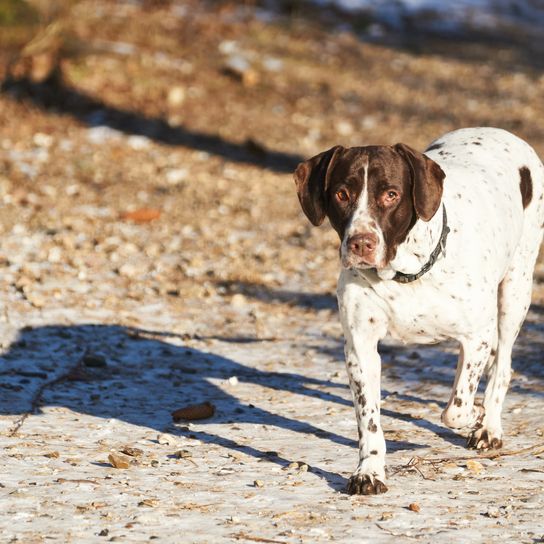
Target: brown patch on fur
[[525, 186]]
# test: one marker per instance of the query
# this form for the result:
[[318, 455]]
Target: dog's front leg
[[364, 324]]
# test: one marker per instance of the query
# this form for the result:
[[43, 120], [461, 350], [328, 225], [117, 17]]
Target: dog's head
[[372, 196]]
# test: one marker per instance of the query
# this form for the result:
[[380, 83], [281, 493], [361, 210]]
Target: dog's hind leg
[[461, 410], [514, 299]]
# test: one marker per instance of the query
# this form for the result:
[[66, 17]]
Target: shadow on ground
[[141, 376], [437, 366], [136, 376], [54, 95]]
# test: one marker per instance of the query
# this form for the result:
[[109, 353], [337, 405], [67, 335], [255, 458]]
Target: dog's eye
[[342, 195], [391, 196]]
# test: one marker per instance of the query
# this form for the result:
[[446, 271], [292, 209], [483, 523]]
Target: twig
[[36, 399], [245, 536], [409, 535], [414, 462]]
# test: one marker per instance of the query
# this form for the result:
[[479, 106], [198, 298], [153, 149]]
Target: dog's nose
[[362, 245]]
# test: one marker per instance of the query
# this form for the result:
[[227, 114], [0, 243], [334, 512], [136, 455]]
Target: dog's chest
[[429, 311]]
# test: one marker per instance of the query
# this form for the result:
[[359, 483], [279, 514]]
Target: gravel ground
[[153, 257]]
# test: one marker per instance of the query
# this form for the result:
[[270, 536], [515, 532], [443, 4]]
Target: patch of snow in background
[[454, 15]]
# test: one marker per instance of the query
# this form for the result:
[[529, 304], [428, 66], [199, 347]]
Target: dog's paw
[[365, 484], [483, 439]]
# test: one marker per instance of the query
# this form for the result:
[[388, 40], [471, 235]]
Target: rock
[[176, 96], [93, 360], [52, 454], [183, 454], [132, 452], [238, 301], [166, 439], [197, 411], [175, 176], [474, 466], [118, 461]]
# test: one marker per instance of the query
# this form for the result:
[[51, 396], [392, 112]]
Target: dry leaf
[[142, 215]]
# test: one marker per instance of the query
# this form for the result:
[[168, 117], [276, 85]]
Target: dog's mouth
[[354, 262]]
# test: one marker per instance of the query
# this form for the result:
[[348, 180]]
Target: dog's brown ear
[[311, 178], [428, 181]]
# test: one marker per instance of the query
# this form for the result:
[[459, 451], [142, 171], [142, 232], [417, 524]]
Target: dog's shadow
[[139, 376]]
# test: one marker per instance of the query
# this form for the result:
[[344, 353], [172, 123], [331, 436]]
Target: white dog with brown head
[[434, 245]]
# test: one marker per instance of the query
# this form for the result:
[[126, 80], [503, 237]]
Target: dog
[[434, 245]]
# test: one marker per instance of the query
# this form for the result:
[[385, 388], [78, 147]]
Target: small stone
[[492, 513], [43, 140], [414, 507], [175, 176], [149, 502], [474, 466], [118, 461], [52, 454], [233, 380], [258, 483], [93, 360], [176, 96], [183, 454], [238, 301], [197, 411], [386, 515], [132, 452], [166, 439], [344, 128]]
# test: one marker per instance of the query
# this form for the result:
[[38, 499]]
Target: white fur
[[361, 221], [477, 294]]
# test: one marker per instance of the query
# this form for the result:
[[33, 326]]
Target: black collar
[[401, 277]]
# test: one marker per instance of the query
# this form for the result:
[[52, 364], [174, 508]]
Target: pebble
[[131, 451], [166, 439], [93, 360], [118, 461], [176, 96], [175, 176]]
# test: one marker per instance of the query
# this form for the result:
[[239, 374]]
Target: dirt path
[[153, 256]]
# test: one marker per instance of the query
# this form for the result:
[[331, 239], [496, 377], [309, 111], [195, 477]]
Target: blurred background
[[147, 146]]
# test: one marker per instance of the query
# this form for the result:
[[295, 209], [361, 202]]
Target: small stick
[[245, 536], [535, 449], [36, 399]]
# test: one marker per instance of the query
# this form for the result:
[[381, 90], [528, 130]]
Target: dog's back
[[495, 185]]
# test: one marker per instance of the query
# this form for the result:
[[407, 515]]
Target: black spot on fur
[[525, 186], [433, 147], [372, 426]]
